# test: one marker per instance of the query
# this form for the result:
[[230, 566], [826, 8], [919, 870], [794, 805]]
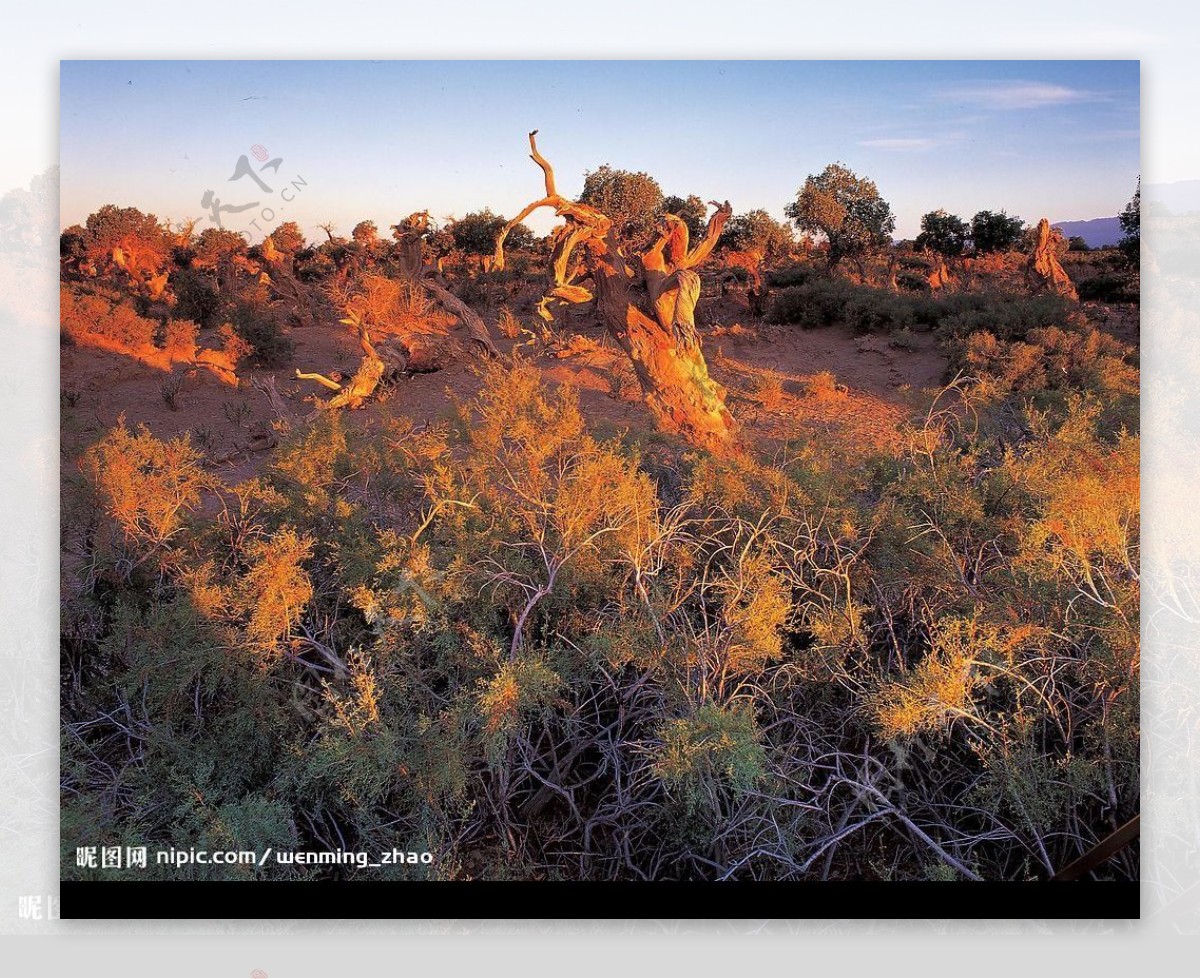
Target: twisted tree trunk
[[1044, 270], [409, 233], [656, 330]]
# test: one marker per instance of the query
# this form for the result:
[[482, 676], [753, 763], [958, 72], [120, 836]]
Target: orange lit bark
[[657, 327], [1044, 269]]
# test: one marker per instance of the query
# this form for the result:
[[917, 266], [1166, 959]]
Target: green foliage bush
[[797, 274], [270, 346], [824, 302], [1112, 287], [196, 297]]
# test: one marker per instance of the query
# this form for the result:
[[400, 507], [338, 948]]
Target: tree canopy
[[289, 238], [993, 231], [476, 233], [692, 210], [365, 233], [943, 233], [757, 231], [846, 209], [1131, 225], [632, 201]]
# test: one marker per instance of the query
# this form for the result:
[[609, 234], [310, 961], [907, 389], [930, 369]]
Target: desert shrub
[[1110, 288], [713, 746], [797, 274], [88, 317], [170, 388], [940, 688], [824, 302], [768, 389], [1008, 317], [756, 611], [148, 486], [179, 339], [643, 658], [821, 302], [823, 386], [385, 302], [507, 325], [879, 311], [197, 298], [1053, 365], [269, 345], [913, 281]]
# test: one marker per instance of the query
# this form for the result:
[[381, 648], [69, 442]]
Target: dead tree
[[282, 281], [411, 351], [1043, 271], [649, 311], [756, 297], [377, 365], [941, 278], [409, 234]]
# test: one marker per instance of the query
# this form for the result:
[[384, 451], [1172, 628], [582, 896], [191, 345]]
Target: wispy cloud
[[1016, 95], [911, 144], [903, 144]]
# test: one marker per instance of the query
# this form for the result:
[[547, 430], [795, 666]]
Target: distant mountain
[[1098, 232], [1180, 197]]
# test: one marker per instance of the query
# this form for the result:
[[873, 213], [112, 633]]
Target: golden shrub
[[276, 589], [149, 486], [939, 689]]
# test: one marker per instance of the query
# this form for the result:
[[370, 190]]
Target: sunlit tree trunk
[[1044, 270], [656, 328]]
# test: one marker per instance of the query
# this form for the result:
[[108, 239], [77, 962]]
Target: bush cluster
[[505, 641]]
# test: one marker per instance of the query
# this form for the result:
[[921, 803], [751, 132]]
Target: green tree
[[1131, 225], [846, 209], [632, 201], [692, 210], [756, 231], [72, 246], [138, 238], [993, 231], [219, 244], [943, 233], [476, 233]]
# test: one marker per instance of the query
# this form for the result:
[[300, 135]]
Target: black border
[[378, 900]]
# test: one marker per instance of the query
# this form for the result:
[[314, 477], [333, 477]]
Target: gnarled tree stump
[[1044, 271], [377, 364], [651, 315], [409, 233]]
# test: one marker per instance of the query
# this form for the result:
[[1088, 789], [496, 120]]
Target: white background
[[1163, 943]]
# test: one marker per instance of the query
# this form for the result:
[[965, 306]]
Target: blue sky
[[381, 139]]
